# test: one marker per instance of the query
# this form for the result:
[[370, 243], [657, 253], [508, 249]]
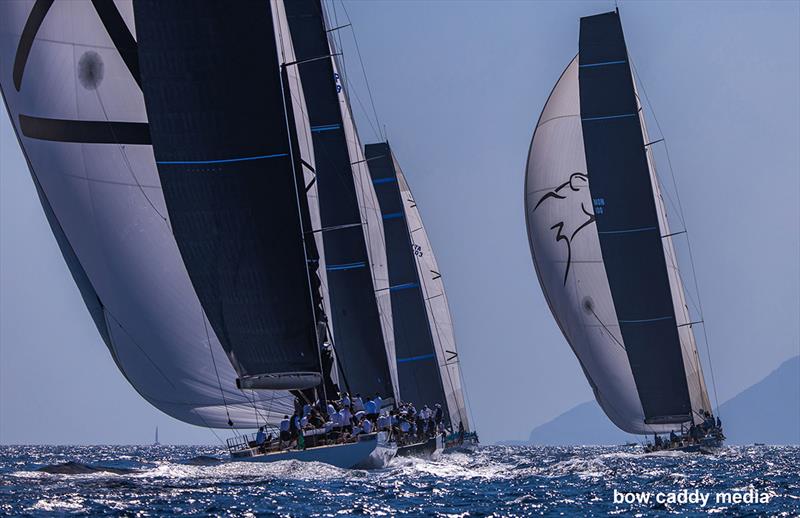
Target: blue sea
[[494, 480]]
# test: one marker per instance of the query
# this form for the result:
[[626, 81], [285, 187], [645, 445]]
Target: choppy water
[[499, 480]]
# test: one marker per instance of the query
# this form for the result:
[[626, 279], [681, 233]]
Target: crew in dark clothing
[[438, 415]]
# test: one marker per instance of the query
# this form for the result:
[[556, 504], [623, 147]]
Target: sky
[[458, 87]]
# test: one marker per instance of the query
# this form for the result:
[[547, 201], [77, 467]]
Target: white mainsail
[[104, 203]]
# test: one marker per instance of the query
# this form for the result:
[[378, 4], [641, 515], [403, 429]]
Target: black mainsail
[[358, 336], [221, 124], [419, 377]]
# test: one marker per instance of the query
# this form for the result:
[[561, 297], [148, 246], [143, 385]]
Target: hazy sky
[[459, 87]]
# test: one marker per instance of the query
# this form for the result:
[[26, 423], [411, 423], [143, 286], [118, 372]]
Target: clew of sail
[[595, 231], [70, 79]]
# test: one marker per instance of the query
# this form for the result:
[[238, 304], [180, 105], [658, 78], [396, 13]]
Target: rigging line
[[125, 157], [363, 69], [606, 328], [214, 362], [344, 76], [212, 430], [688, 241]]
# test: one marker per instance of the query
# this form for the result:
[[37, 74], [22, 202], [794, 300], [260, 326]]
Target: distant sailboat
[[602, 246], [155, 442]]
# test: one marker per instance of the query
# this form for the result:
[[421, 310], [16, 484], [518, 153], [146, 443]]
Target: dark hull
[[421, 449]]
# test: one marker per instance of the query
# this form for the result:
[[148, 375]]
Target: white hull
[[369, 452]]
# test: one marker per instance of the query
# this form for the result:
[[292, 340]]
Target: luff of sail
[[358, 335], [70, 81], [218, 101], [596, 237]]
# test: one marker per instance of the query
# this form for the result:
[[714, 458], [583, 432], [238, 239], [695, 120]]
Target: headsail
[[358, 333], [595, 232], [70, 78]]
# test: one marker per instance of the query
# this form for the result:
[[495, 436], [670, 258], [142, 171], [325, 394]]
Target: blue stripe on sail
[[329, 127], [384, 180], [222, 161], [415, 358], [604, 63], [393, 215], [405, 286], [645, 320], [609, 117], [348, 266], [643, 229]]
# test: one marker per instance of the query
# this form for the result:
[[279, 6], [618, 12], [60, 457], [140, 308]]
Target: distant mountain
[[583, 424], [767, 412]]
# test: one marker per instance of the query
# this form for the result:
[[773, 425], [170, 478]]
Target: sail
[[439, 318], [70, 80], [419, 377], [357, 330], [596, 237], [221, 123]]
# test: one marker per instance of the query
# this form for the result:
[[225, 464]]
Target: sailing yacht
[[428, 367], [203, 177], [603, 250]]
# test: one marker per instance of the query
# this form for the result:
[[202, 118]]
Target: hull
[[468, 443], [368, 452], [706, 445], [422, 449]]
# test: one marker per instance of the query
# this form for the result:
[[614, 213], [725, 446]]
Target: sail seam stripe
[[348, 266], [606, 117], [393, 215], [602, 64], [329, 127], [659, 319], [415, 358], [220, 161], [643, 229], [405, 286], [383, 180]]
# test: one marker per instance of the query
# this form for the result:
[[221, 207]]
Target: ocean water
[[494, 480]]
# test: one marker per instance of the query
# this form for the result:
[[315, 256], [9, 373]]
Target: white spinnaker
[[373, 227], [107, 200], [698, 394], [441, 322], [580, 300]]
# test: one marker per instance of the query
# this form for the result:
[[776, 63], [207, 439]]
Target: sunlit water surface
[[499, 480]]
